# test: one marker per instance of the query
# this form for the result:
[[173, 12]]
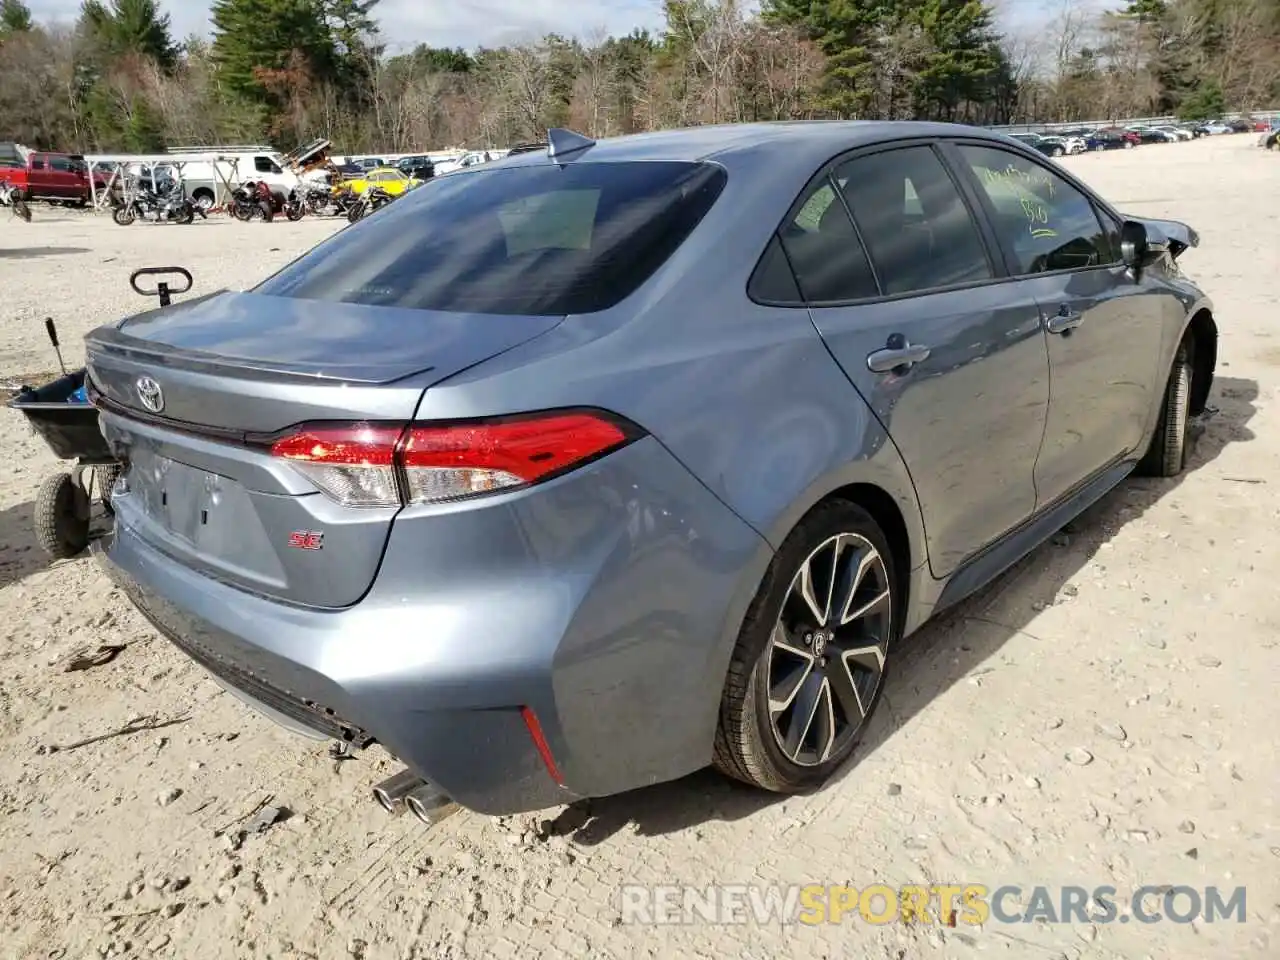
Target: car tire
[[1057, 151], [1128, 144], [62, 517], [1167, 454], [801, 687]]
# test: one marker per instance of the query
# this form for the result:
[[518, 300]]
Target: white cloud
[[468, 23]]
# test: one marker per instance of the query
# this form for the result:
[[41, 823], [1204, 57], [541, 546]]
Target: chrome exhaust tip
[[391, 793], [429, 804]]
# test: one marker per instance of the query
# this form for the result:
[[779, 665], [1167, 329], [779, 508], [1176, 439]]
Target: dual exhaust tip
[[407, 791]]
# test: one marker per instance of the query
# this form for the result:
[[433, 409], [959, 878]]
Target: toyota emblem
[[150, 394]]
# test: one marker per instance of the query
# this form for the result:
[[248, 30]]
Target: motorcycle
[[343, 199], [251, 199], [316, 198], [371, 201], [293, 207], [254, 198], [168, 204], [11, 196]]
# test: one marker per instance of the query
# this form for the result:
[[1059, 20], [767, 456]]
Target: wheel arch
[[887, 513], [1202, 330]]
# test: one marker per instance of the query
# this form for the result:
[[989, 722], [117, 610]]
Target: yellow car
[[388, 178]]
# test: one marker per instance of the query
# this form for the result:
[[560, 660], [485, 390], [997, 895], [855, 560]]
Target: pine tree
[[130, 26], [15, 17], [251, 36]]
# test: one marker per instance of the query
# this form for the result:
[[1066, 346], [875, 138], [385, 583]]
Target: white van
[[206, 188]]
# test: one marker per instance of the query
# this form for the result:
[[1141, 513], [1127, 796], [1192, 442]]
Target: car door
[[902, 287], [39, 176], [66, 182], [1104, 327]]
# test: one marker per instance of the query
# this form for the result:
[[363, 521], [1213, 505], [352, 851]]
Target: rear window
[[541, 240]]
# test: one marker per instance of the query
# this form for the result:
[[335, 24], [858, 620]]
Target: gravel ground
[[1090, 719]]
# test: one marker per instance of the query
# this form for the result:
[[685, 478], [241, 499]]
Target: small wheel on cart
[[106, 479], [62, 516]]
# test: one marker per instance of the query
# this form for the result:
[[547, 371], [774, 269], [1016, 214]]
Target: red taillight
[[370, 464]]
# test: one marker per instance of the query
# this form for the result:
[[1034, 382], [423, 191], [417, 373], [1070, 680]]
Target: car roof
[[803, 142]]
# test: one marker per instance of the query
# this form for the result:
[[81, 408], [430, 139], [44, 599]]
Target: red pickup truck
[[56, 177]]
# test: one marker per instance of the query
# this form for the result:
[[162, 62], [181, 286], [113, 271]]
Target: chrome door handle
[[1064, 320], [897, 356]]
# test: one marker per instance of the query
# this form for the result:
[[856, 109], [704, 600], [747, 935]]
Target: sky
[[463, 23], [472, 23]]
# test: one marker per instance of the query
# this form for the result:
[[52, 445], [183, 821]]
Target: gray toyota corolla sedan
[[590, 467]]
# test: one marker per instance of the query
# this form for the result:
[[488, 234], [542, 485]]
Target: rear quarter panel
[[745, 397]]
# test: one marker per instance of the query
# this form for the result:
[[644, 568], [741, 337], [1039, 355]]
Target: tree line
[[285, 71]]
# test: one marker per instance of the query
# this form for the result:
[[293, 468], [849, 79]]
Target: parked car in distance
[[1051, 145], [1215, 128], [623, 458], [1151, 135], [419, 167], [390, 179], [1108, 140], [60, 178], [1071, 143], [1177, 133]]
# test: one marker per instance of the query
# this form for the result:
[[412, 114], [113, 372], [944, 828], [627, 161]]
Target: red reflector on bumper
[[539, 741]]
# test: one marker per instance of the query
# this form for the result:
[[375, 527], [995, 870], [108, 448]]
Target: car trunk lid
[[191, 394]]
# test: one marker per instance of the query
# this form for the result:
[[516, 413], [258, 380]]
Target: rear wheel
[[62, 516], [1167, 454], [809, 663]]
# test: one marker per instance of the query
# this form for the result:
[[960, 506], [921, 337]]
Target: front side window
[[540, 240], [1043, 221], [917, 229]]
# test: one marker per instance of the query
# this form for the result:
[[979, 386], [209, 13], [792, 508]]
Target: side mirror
[[1140, 246], [1133, 244]]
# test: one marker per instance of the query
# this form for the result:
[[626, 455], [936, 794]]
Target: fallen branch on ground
[[141, 725]]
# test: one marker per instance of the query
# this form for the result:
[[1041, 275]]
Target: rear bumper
[[606, 601]]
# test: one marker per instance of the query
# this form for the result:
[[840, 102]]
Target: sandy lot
[[1146, 635]]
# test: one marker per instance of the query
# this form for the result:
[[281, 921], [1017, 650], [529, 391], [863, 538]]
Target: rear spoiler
[[1180, 236]]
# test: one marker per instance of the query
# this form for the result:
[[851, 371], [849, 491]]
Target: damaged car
[[599, 464]]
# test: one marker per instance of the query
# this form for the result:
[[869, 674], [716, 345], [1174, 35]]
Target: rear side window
[[829, 263], [773, 282], [540, 240], [918, 229]]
